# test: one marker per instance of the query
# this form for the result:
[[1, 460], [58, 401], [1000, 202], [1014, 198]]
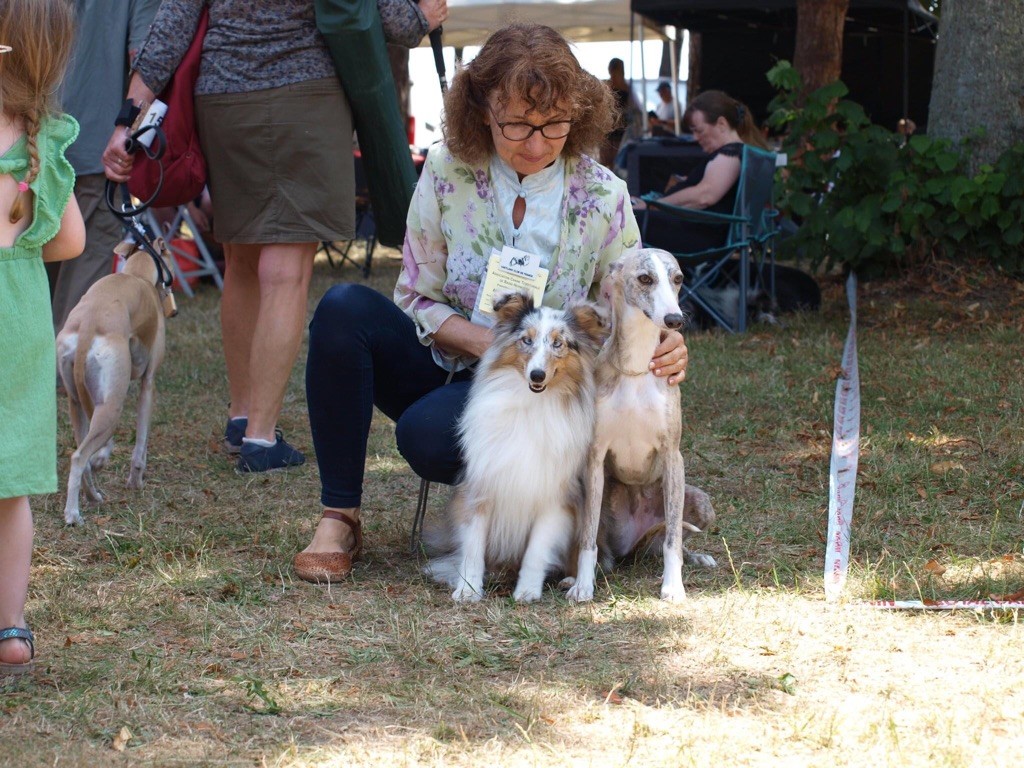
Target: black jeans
[[363, 351]]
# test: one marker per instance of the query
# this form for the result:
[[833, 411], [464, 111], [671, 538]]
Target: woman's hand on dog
[[670, 357]]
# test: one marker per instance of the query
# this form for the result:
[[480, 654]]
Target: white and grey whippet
[[636, 480], [113, 335]]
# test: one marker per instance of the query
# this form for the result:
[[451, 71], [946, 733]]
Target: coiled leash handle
[[154, 151]]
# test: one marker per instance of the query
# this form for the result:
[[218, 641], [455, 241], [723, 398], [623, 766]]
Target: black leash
[[154, 151], [143, 237], [137, 230], [129, 213], [437, 47]]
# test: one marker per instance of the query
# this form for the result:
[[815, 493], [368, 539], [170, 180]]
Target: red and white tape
[[842, 479], [946, 605]]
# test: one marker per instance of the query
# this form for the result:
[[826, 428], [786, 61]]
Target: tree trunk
[[399, 57], [978, 75], [819, 41], [693, 82]]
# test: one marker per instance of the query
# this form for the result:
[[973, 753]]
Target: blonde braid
[[23, 202]]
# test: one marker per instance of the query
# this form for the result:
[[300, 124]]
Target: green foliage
[[868, 199]]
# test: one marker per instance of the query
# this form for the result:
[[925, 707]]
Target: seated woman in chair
[[512, 171], [721, 125]]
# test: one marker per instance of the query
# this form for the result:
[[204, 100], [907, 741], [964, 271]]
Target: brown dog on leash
[[114, 335]]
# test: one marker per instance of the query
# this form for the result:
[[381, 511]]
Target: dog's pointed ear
[[510, 308], [124, 248], [164, 250], [591, 322]]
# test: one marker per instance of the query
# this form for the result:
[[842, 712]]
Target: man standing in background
[[630, 117], [108, 35]]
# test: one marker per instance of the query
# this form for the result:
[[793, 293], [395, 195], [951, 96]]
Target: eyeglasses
[[557, 129]]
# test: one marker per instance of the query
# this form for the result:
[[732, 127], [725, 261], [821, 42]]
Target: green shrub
[[868, 199]]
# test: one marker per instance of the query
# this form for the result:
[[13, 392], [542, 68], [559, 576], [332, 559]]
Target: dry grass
[[174, 614]]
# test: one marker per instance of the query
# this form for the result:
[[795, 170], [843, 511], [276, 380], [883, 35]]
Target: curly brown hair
[[533, 63], [716, 104]]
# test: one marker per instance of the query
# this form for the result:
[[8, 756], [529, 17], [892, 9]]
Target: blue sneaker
[[256, 458], [234, 431]]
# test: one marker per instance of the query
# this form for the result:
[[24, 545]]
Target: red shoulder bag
[[184, 167]]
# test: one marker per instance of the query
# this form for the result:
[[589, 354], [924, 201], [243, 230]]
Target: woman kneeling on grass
[[512, 172]]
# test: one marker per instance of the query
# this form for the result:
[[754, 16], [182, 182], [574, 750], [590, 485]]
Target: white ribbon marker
[[845, 451], [947, 605], [843, 480]]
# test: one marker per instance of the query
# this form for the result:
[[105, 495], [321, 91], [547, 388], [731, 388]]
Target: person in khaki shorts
[[280, 183]]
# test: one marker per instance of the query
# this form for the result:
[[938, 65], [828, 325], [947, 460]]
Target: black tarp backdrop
[[888, 50]]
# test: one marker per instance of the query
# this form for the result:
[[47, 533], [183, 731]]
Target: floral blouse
[[453, 225]]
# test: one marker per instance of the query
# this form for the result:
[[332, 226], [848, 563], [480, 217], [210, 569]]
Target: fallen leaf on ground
[[611, 697], [934, 567], [82, 639], [121, 739], [787, 683]]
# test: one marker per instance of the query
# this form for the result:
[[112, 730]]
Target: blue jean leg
[[363, 351], [426, 433]]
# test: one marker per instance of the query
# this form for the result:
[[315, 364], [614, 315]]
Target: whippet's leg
[[102, 456], [699, 513], [147, 390], [674, 487], [549, 537], [72, 512], [583, 589], [472, 559], [101, 429]]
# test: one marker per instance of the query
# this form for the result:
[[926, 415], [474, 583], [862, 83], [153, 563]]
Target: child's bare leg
[[15, 558]]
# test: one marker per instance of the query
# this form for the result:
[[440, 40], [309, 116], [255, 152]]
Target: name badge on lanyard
[[508, 271]]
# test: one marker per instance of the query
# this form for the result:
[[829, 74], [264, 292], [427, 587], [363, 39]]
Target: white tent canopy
[[470, 22]]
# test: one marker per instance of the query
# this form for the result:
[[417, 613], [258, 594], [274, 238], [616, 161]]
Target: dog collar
[[627, 373]]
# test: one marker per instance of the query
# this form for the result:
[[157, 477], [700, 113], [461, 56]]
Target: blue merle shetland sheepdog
[[525, 433]]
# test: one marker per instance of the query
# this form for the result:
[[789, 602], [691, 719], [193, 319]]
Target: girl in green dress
[[39, 221]]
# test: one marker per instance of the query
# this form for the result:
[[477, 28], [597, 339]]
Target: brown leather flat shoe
[[330, 567]]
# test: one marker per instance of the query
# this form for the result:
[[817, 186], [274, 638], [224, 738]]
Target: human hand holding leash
[[117, 160], [435, 11]]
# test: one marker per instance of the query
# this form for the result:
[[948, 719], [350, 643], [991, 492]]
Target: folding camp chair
[[187, 263], [750, 238], [366, 232], [366, 227]]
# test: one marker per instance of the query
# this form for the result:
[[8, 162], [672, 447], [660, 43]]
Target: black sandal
[[17, 633]]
